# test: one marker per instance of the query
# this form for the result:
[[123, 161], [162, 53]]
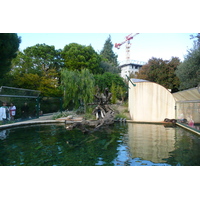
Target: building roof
[[135, 80], [187, 95], [132, 64]]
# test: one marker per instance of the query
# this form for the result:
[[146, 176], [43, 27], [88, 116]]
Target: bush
[[120, 115]]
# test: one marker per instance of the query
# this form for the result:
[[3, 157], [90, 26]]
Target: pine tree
[[107, 53]]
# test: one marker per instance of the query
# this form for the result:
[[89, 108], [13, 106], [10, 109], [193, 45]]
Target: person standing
[[25, 111], [12, 110], [4, 112]]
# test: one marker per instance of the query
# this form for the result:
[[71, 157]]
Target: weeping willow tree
[[114, 93], [78, 87]]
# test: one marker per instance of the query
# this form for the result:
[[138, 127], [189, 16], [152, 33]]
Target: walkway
[[44, 117], [48, 118]]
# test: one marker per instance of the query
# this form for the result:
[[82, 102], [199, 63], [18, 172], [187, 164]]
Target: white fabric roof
[[187, 95]]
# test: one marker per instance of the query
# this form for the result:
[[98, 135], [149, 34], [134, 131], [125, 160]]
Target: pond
[[123, 144]]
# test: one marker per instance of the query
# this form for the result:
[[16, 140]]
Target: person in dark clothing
[[25, 111]]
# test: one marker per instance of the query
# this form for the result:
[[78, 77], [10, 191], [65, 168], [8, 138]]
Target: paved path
[[44, 117], [41, 120]]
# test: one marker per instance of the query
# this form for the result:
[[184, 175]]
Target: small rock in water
[[70, 117]]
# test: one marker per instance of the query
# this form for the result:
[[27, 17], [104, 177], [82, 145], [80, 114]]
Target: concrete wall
[[150, 102]]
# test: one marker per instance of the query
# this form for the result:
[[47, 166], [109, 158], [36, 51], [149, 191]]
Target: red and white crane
[[128, 45]]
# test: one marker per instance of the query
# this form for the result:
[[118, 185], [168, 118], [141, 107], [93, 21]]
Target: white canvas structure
[[150, 102], [188, 105]]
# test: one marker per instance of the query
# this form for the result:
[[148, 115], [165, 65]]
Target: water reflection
[[3, 134], [154, 144], [151, 142], [119, 145], [46, 145], [187, 149]]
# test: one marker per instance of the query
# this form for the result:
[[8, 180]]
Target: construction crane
[[128, 45]]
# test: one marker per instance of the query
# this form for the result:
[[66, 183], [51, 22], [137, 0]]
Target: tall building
[[131, 68]]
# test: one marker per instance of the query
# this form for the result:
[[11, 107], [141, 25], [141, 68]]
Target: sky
[[143, 46]]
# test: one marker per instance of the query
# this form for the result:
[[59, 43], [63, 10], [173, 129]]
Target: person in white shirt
[[4, 112], [12, 111]]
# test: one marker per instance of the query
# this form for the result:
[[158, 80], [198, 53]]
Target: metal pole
[[37, 107], [131, 81], [61, 102]]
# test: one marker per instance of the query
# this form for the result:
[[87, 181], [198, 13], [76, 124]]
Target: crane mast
[[128, 45]]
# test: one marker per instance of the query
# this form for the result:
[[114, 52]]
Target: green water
[[119, 145]]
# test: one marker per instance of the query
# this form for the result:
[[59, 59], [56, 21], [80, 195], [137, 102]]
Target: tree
[[122, 91], [44, 83], [143, 73], [38, 68], [107, 67], [105, 81], [9, 44], [189, 70], [114, 93], [86, 86], [161, 72], [78, 57], [49, 84], [38, 59], [78, 87], [107, 53], [197, 42]]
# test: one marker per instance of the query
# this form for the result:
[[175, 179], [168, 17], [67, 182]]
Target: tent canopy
[[187, 95]]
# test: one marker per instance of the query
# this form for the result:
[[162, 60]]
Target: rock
[[70, 117]]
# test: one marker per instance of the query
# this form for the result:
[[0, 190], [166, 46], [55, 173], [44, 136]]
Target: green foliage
[[38, 59], [37, 68], [197, 37], [78, 57], [107, 53], [107, 67], [44, 57], [86, 86], [114, 93], [49, 85], [121, 116], [28, 80], [161, 72], [109, 61], [69, 83], [189, 71], [121, 91], [9, 44], [105, 80], [78, 87]]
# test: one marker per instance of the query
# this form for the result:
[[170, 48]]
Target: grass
[[120, 115]]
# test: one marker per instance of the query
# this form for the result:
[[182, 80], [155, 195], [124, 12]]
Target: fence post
[[61, 102], [37, 107]]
